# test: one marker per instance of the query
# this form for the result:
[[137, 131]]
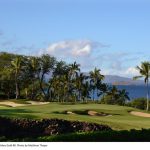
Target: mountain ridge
[[119, 80]]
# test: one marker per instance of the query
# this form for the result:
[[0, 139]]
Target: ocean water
[[135, 91]]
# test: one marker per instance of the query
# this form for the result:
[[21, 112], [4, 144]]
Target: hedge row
[[103, 136]]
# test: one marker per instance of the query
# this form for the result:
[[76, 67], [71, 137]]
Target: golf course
[[117, 117], [44, 99]]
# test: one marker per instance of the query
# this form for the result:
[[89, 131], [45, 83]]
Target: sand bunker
[[13, 104], [141, 114], [87, 112], [94, 113], [37, 103], [70, 113]]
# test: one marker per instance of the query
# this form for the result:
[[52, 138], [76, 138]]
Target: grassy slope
[[120, 120]]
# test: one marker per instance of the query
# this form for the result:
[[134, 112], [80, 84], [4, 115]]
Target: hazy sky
[[113, 35]]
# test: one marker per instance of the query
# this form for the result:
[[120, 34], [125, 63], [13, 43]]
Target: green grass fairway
[[120, 119]]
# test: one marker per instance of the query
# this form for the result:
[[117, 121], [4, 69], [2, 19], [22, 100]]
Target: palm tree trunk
[[50, 95], [17, 91], [93, 94], [26, 91], [79, 95], [58, 97], [32, 90], [147, 108], [17, 87], [97, 94], [8, 95]]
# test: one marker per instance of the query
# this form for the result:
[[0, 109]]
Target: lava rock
[[27, 128]]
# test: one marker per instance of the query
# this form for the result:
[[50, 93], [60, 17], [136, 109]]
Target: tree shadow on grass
[[17, 113]]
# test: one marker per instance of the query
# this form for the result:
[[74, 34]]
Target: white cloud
[[89, 54], [128, 72], [86, 50], [131, 71], [82, 51], [72, 48]]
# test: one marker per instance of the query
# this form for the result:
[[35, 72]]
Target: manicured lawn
[[120, 119]]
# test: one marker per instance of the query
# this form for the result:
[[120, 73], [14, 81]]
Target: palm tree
[[55, 88], [95, 78], [123, 96], [64, 86], [60, 69], [79, 84], [74, 69], [113, 91], [7, 81], [16, 63], [86, 89], [113, 94], [72, 75], [33, 68], [47, 64], [144, 71]]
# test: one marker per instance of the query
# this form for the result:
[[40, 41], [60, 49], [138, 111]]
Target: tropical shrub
[[139, 103], [115, 96]]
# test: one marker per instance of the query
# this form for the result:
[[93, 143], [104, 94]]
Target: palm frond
[[137, 77]]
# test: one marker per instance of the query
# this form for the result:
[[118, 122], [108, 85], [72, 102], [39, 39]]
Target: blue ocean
[[135, 91]]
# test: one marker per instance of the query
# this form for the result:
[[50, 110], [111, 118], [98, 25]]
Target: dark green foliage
[[102, 136], [114, 96], [139, 103], [46, 79]]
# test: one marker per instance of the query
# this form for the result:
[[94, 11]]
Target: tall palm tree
[[74, 69], [60, 68], [47, 64], [59, 87], [55, 88], [113, 91], [64, 87], [86, 89], [144, 71], [113, 94], [95, 76], [33, 68], [7, 81], [123, 96], [16, 63], [79, 84]]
